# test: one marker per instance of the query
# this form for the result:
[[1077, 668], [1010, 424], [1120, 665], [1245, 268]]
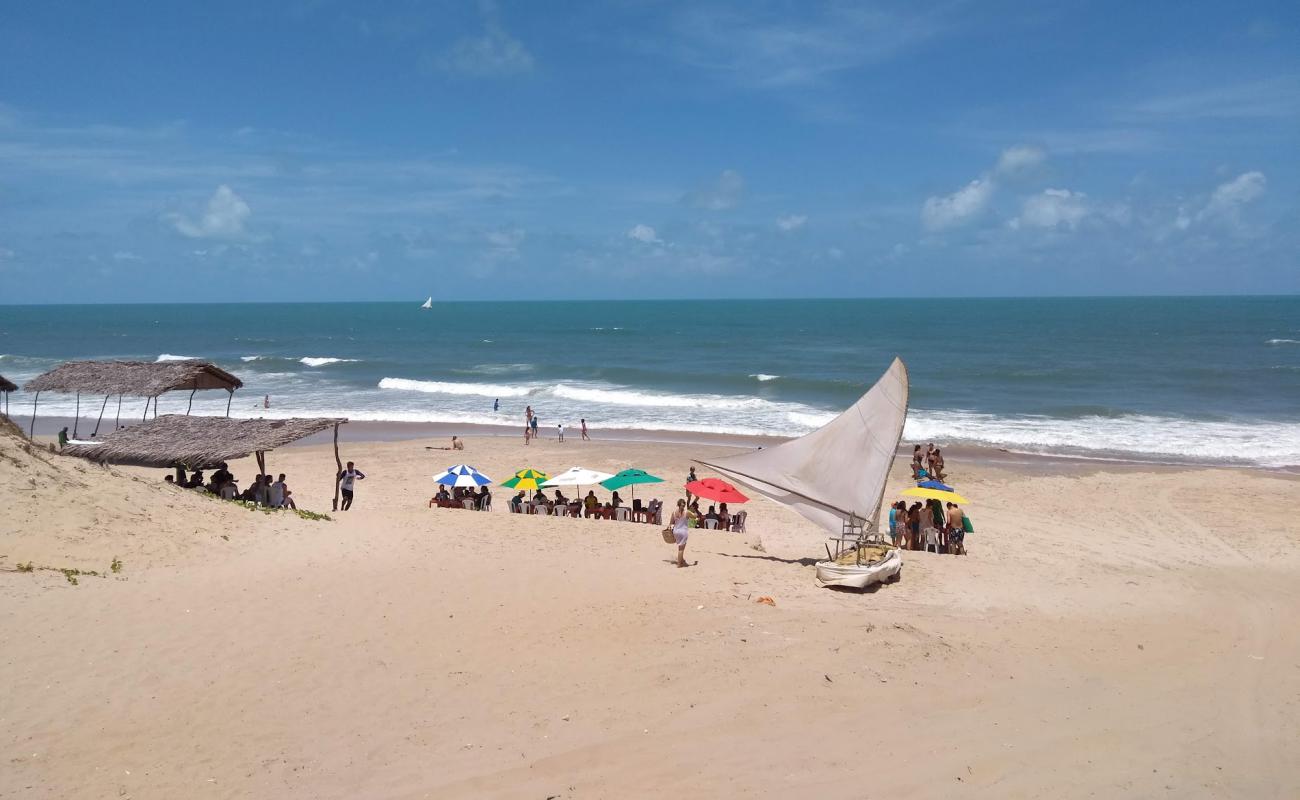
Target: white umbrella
[[578, 476]]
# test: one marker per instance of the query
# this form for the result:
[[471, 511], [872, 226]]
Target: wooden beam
[[229, 399], [338, 464], [32, 431], [101, 417], [76, 416], [117, 420], [191, 403]]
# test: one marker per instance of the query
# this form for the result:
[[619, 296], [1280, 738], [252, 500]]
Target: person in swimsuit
[[681, 531], [585, 437]]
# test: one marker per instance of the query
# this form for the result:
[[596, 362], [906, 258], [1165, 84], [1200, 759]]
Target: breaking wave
[[315, 361]]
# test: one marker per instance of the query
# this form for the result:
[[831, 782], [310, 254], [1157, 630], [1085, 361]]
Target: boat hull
[[888, 569]]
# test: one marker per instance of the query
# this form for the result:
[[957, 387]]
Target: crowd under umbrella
[[526, 479], [717, 490], [462, 475], [629, 477], [577, 477]]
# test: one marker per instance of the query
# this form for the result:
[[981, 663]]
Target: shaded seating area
[[6, 386], [129, 379], [200, 443]]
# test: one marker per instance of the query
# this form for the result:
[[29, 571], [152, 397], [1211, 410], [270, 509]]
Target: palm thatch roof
[[196, 442], [133, 378], [7, 385]]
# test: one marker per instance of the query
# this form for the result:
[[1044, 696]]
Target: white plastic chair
[[622, 514], [561, 510], [711, 524], [468, 503], [738, 522], [932, 538], [487, 505]]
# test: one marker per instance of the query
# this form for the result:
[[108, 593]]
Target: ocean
[[1199, 380]]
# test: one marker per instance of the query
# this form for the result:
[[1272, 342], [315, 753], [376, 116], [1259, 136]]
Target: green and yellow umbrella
[[936, 494], [527, 479]]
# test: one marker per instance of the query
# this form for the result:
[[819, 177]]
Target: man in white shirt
[[347, 483], [561, 427], [277, 492]]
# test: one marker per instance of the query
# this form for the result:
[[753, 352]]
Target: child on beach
[[347, 484]]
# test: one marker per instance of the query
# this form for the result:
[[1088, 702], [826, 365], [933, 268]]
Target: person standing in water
[[496, 405]]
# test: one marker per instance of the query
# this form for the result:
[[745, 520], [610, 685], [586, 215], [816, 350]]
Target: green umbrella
[[630, 477], [529, 479]]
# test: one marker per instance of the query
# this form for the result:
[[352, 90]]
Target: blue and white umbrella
[[462, 475]]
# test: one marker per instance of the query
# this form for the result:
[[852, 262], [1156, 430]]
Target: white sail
[[428, 303], [838, 470]]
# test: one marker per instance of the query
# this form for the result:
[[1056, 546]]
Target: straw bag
[[668, 536]]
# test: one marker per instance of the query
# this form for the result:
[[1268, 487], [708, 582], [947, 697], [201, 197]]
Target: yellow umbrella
[[936, 494], [528, 479]]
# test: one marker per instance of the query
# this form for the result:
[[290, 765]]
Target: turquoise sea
[[1205, 379]]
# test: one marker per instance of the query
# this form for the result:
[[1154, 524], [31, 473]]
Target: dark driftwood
[[197, 442]]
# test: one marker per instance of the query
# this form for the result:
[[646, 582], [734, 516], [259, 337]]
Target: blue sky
[[324, 150]]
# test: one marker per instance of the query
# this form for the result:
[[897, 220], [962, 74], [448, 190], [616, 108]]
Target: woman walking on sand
[[681, 531]]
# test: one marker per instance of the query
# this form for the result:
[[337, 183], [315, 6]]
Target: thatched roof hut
[[7, 385], [197, 442], [133, 378]]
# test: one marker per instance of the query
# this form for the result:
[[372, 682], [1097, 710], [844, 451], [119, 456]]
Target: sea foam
[[315, 361], [170, 357], [448, 387]]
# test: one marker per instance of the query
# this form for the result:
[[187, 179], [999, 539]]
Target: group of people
[[920, 526], [531, 423], [588, 507], [262, 490], [481, 500], [927, 464]]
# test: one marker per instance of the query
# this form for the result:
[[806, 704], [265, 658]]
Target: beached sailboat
[[835, 477], [427, 303]]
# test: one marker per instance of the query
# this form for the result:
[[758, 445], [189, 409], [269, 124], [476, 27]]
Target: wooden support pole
[[76, 417], [146, 410], [191, 403], [338, 463], [229, 399], [32, 431], [101, 417], [117, 420]]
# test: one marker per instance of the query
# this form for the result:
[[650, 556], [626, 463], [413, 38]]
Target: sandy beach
[[1115, 631]]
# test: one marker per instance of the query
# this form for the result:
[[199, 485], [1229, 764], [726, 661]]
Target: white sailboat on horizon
[[428, 303]]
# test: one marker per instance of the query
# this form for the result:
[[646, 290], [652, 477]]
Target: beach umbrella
[[717, 490], [579, 477], [936, 494], [529, 479], [462, 475], [630, 477]]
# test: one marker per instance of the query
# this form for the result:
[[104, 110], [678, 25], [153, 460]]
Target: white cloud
[[1052, 209], [224, 219], [957, 208], [1019, 158], [126, 255], [721, 194], [643, 233], [1230, 196], [494, 54], [792, 222]]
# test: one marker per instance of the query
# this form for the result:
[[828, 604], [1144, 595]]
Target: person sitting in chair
[[590, 503], [441, 497]]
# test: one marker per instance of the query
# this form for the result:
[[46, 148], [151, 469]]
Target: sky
[[320, 150]]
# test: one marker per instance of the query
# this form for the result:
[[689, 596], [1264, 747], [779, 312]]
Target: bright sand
[[1114, 632]]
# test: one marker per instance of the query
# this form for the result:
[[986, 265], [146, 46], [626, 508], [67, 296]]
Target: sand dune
[[1117, 632]]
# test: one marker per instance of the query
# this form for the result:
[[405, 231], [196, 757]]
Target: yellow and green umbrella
[[936, 494], [527, 479]]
